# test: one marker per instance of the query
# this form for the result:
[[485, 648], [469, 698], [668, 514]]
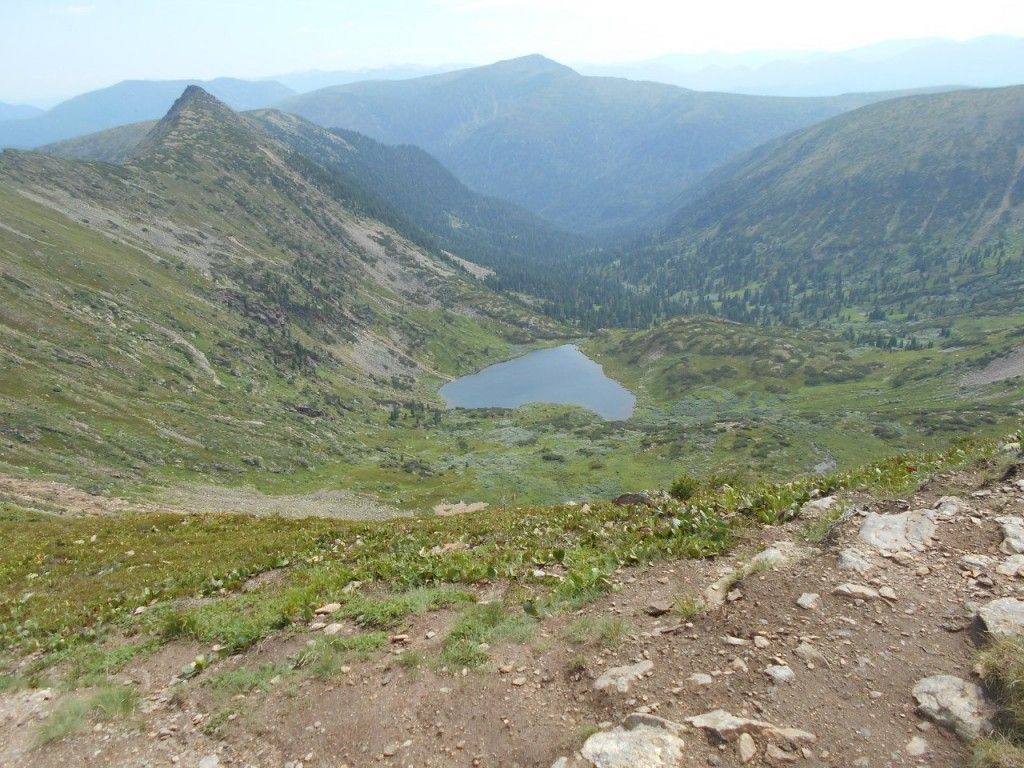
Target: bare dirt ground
[[59, 498], [536, 701]]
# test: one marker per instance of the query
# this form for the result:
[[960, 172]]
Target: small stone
[[1011, 566], [327, 610], [809, 601], [621, 679], [852, 560], [700, 679], [762, 642], [780, 673], [1013, 534], [658, 608], [887, 592], [916, 747], [518, 681], [778, 756], [210, 761], [855, 592], [809, 654], [746, 748]]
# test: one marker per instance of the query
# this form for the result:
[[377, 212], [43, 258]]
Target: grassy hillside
[[908, 208], [208, 309], [593, 155]]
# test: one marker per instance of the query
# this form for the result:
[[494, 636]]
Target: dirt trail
[[536, 702]]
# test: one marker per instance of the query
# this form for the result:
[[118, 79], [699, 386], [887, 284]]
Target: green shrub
[[684, 487]]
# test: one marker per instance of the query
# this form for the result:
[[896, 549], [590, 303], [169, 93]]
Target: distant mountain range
[[17, 111], [896, 65], [592, 155], [129, 102], [314, 79]]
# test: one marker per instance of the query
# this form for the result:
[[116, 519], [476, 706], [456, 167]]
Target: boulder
[[1003, 617], [906, 532], [1011, 566], [953, 703], [620, 679], [1013, 534], [642, 741]]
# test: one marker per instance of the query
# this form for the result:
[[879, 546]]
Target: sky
[[50, 50]]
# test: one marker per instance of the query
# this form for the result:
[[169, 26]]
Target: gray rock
[[852, 560], [1003, 617], [809, 654], [1013, 534], [620, 679], [728, 727], [700, 679], [906, 532], [950, 507], [780, 674], [976, 562], [210, 761], [809, 601], [1012, 566], [817, 507], [953, 703], [856, 592], [916, 747], [640, 742], [746, 748]]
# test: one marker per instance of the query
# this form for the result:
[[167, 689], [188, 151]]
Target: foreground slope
[[454, 641], [589, 154], [215, 305], [912, 206]]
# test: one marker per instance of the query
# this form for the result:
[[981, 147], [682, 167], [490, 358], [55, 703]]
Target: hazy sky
[[50, 49]]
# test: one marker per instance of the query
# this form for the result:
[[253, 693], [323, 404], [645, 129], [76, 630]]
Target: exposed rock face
[[1011, 566], [642, 741], [905, 532], [1003, 617], [728, 727], [1013, 534], [953, 703], [620, 679]]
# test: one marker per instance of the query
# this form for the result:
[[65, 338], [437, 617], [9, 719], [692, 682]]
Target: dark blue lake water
[[561, 375]]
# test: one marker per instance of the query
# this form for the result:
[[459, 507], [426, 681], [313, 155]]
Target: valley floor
[[704, 634]]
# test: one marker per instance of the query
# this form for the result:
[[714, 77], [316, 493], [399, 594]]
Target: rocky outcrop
[[1003, 617], [953, 703], [905, 532], [642, 741]]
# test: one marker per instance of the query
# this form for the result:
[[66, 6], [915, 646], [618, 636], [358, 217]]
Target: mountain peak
[[534, 63], [197, 122]]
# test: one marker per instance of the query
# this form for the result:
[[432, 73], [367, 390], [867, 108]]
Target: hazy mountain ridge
[[984, 62], [17, 111], [593, 155], [128, 102]]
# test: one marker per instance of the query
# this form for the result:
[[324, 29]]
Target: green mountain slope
[[215, 307], [589, 154], [910, 207], [402, 185], [130, 101]]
